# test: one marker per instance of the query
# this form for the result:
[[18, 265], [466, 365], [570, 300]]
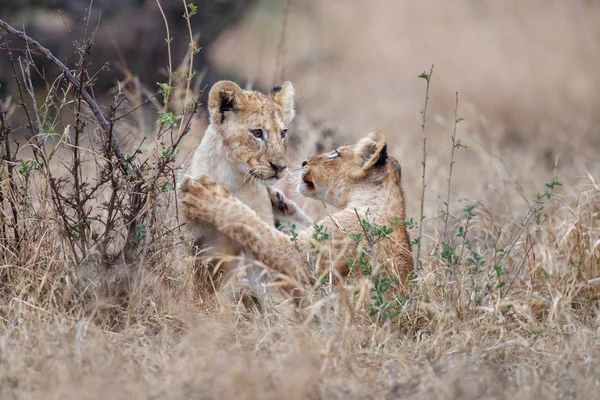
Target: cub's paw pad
[[281, 204], [279, 201], [184, 186]]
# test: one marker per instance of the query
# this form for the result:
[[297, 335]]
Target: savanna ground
[[99, 297]]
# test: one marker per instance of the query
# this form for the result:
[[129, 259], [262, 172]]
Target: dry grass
[[538, 339], [528, 329]]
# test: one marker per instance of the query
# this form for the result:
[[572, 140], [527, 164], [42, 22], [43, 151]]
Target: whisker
[[246, 176]]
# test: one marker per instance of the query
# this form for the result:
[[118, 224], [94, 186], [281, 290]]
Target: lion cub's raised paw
[[287, 213], [203, 186], [199, 197], [280, 202]]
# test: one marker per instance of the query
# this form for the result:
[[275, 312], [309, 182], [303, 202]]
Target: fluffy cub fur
[[243, 150], [359, 179]]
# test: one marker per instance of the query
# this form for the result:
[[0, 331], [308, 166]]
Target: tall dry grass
[[517, 317]]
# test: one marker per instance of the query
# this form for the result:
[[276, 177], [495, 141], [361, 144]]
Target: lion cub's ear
[[224, 97], [372, 150], [283, 96]]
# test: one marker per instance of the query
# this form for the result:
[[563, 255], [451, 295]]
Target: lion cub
[[243, 150], [359, 179]]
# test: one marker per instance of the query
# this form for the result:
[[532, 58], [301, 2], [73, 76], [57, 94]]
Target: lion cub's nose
[[278, 168], [304, 163]]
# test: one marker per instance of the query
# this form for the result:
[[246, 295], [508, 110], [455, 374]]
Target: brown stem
[[76, 167], [124, 163], [424, 164], [7, 157]]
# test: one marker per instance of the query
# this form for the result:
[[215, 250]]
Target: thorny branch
[[104, 123], [7, 157], [131, 191]]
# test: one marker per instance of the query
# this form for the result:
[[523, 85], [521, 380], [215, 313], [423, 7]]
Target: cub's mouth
[[307, 180], [266, 177], [308, 184]]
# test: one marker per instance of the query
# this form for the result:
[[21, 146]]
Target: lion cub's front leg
[[203, 200], [286, 213]]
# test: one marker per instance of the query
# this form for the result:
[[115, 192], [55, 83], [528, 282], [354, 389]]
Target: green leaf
[[166, 90], [168, 118], [469, 210], [356, 237], [459, 145], [167, 187], [27, 166], [553, 182], [500, 270], [192, 9], [410, 223], [537, 217], [140, 233]]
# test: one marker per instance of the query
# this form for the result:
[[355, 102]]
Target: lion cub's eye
[[284, 134], [336, 155], [257, 133]]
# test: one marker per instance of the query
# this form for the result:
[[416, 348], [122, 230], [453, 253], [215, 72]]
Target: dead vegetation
[[100, 301]]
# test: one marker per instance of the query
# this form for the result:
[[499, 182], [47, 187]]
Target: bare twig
[[18, 82], [193, 50], [280, 58], [427, 77], [168, 40], [76, 163], [535, 208], [518, 271], [124, 163], [447, 203], [7, 158]]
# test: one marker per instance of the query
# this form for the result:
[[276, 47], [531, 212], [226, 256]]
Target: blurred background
[[526, 73]]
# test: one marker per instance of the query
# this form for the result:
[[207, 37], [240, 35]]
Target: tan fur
[[362, 179], [230, 155]]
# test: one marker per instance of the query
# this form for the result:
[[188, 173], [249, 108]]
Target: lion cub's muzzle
[[278, 170], [307, 180], [271, 172]]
